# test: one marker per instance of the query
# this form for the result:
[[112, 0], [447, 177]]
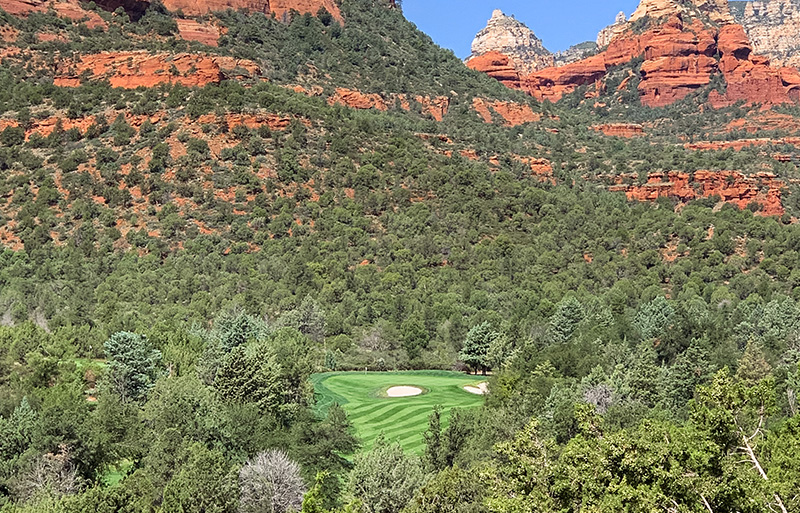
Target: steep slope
[[773, 27], [296, 139]]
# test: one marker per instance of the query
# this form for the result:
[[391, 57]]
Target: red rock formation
[[135, 8], [497, 66], [141, 69], [768, 120], [750, 78], [191, 30], [553, 83], [357, 100], [626, 130], [731, 186], [282, 7], [436, 107], [539, 167], [69, 9], [513, 113], [46, 37], [314, 90], [679, 58], [273, 121], [279, 7]]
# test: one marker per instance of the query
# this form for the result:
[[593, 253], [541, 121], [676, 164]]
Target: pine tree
[[476, 348], [753, 367], [133, 365]]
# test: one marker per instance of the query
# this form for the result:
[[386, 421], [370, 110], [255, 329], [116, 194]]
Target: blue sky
[[560, 24]]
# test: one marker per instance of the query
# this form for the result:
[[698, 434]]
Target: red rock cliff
[[679, 57], [73, 10], [130, 70], [731, 187]]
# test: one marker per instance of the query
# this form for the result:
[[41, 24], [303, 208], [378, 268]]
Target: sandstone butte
[[135, 8], [679, 58], [731, 187], [135, 69]]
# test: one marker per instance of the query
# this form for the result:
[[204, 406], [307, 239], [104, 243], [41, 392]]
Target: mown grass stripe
[[400, 419]]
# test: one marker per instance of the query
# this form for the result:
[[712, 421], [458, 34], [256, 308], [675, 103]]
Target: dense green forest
[[171, 280]]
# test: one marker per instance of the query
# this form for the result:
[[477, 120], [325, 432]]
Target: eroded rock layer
[[130, 70], [135, 8], [762, 189]]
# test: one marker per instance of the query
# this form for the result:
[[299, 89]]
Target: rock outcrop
[[683, 44], [282, 7], [626, 130], [70, 9], [507, 36], [773, 27], [730, 186], [192, 30], [130, 70], [575, 53], [497, 66], [717, 11], [135, 8], [279, 7], [357, 100], [610, 32], [513, 114]]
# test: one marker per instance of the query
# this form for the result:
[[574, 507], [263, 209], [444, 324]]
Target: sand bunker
[[403, 391], [481, 389]]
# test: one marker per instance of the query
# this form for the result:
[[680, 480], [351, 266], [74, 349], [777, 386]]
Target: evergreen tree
[[569, 314], [132, 365], [653, 318], [753, 366], [475, 352]]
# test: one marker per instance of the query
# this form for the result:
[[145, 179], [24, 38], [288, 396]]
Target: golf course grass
[[400, 419]]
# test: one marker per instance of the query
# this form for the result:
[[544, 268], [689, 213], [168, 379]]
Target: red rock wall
[[191, 30], [497, 66], [135, 8], [513, 113], [731, 186], [626, 130], [357, 100], [679, 58], [282, 7], [130, 70]]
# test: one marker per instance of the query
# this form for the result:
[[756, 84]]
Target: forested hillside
[[198, 214]]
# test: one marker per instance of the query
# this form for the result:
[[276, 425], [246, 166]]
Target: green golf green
[[366, 399]]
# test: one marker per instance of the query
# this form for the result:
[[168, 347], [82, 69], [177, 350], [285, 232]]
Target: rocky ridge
[[504, 34]]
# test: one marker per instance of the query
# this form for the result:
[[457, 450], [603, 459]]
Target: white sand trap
[[404, 391], [481, 389]]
